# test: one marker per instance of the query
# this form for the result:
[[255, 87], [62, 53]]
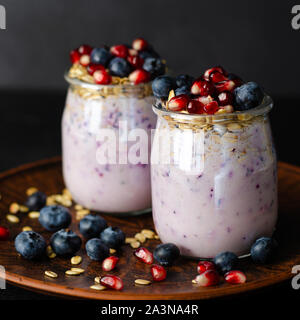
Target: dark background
[[251, 38]]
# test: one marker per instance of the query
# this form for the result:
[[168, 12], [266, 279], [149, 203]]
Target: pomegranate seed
[[228, 85], [102, 77], [109, 263], [74, 56], [235, 277], [202, 88], [205, 100], [179, 102], [112, 282], [216, 77], [211, 108], [92, 67], [208, 278], [85, 49], [85, 60], [119, 51], [139, 44], [195, 106], [158, 272], [136, 61], [139, 76], [204, 266], [4, 233], [208, 72], [132, 52], [144, 255], [225, 98]]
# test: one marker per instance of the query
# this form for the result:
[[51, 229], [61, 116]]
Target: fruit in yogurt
[[92, 225], [65, 242], [166, 254], [263, 250], [225, 261], [36, 201], [30, 245], [96, 249], [113, 237], [55, 217]]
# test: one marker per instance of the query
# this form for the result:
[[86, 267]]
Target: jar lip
[[264, 108], [95, 86]]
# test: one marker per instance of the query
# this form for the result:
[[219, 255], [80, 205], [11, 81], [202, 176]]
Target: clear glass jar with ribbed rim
[[214, 180], [96, 122]]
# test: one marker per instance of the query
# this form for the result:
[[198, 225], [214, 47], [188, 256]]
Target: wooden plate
[[46, 176]]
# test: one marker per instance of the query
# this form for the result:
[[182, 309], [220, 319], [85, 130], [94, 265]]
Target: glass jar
[[92, 111], [214, 180]]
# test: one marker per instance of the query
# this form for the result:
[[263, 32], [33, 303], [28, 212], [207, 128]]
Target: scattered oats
[[33, 214], [149, 234], [13, 219], [50, 201], [23, 208], [66, 192], [112, 251], [66, 202], [76, 260], [97, 279], [26, 228], [31, 191], [135, 244], [129, 240], [78, 270], [194, 281], [78, 207], [98, 287], [14, 208], [83, 212], [50, 253], [171, 95], [72, 273], [58, 198], [142, 282], [156, 237], [140, 237], [51, 274]]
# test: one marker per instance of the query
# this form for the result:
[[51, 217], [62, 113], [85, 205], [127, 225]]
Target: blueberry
[[161, 86], [184, 80], [154, 66], [183, 90], [36, 201], [263, 249], [97, 249], [30, 244], [54, 218], [166, 254], [248, 95], [148, 53], [119, 67], [65, 242], [113, 237], [91, 226], [100, 56], [225, 261]]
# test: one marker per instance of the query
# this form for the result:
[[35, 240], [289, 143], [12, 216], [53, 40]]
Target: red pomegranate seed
[[216, 77], [112, 282], [178, 103], [202, 88], [119, 51], [132, 52], [158, 272], [136, 61], [228, 85], [102, 77], [139, 44], [225, 98], [195, 106], [208, 72], [235, 277], [205, 100], [4, 233], [208, 278], [211, 108], [109, 263], [85, 60], [139, 76], [204, 266], [85, 49], [92, 67], [74, 56], [144, 255]]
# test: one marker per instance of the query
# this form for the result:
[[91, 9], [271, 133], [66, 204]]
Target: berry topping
[[184, 80], [96, 249], [208, 72], [211, 107], [216, 77], [36, 201], [235, 277], [139, 76], [158, 272], [228, 85], [136, 61], [248, 96], [155, 66], [92, 67], [263, 250], [205, 100], [113, 237], [85, 49], [85, 60], [120, 51], [207, 278], [91, 225], [109, 263], [55, 217], [139, 44], [119, 67], [30, 245], [102, 77], [195, 106], [65, 242], [144, 255], [166, 254], [225, 261], [4, 233], [74, 56], [225, 98], [204, 266], [100, 56], [202, 88], [161, 86], [183, 90], [112, 282], [178, 103]]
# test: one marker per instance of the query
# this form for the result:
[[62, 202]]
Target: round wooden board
[[46, 176]]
